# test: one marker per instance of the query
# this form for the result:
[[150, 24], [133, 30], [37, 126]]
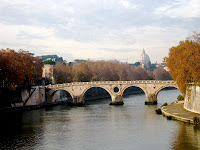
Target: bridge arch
[[126, 87], [90, 87], [53, 91], [162, 87]]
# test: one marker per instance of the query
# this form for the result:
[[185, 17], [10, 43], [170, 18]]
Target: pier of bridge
[[116, 89]]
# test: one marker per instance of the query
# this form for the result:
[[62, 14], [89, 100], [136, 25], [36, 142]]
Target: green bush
[[49, 62], [180, 98]]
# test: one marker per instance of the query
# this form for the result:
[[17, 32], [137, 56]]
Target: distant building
[[166, 68], [160, 65], [79, 60], [145, 60], [47, 73], [54, 58]]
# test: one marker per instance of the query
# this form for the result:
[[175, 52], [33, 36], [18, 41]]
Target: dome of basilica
[[144, 59]]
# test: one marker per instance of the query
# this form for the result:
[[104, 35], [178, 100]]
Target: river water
[[99, 126]]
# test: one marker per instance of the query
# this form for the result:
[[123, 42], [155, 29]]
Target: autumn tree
[[82, 73], [161, 74], [141, 74], [108, 71], [62, 73], [195, 38], [100, 71], [18, 69], [184, 63]]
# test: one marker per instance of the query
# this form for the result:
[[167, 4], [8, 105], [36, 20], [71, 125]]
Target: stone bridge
[[116, 89]]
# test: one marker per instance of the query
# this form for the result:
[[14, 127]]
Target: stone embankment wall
[[192, 99], [36, 98]]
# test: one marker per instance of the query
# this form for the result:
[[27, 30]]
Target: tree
[[184, 63], [49, 62], [62, 73], [142, 74], [137, 64], [82, 73], [99, 71], [161, 74], [18, 69], [195, 38]]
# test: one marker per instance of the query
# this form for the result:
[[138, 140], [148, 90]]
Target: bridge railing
[[111, 82]]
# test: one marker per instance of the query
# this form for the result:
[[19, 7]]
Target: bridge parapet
[[111, 82]]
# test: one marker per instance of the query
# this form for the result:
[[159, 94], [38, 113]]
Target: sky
[[98, 29]]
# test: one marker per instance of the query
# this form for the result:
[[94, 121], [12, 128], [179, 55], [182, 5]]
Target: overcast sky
[[97, 29]]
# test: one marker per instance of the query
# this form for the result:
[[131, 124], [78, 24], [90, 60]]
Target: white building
[[48, 72]]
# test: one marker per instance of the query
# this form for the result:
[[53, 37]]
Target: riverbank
[[33, 107], [177, 112]]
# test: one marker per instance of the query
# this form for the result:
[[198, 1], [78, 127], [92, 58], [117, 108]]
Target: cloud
[[93, 1], [96, 29], [118, 50], [32, 32], [24, 46], [183, 9], [125, 3]]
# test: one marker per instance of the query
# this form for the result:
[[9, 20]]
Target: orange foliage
[[18, 68], [161, 74], [62, 73], [184, 63], [99, 71]]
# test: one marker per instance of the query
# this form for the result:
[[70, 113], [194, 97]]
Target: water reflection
[[20, 130], [186, 137]]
